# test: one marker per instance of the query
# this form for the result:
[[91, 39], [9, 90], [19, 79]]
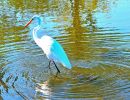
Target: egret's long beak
[[28, 23]]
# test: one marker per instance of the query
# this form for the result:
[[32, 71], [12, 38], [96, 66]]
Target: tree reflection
[[79, 35], [35, 5]]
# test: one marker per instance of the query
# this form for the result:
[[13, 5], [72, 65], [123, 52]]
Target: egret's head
[[36, 19]]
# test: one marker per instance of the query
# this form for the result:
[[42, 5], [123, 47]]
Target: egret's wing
[[59, 54]]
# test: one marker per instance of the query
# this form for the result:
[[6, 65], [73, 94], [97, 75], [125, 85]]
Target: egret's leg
[[49, 64], [56, 67]]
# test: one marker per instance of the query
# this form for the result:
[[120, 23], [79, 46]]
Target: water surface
[[94, 33]]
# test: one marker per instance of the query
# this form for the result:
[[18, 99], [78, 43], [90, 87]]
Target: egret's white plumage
[[50, 46]]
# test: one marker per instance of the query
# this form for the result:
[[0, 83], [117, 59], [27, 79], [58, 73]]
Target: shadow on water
[[94, 37]]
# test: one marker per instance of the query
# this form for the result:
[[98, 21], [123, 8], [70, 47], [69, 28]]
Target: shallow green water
[[94, 33]]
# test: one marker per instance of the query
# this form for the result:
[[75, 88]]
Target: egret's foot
[[57, 73]]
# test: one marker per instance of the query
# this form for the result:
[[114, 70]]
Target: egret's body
[[50, 46]]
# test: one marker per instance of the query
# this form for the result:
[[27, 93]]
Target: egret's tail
[[67, 64], [59, 54]]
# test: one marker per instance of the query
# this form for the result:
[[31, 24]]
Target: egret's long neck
[[39, 20], [35, 32]]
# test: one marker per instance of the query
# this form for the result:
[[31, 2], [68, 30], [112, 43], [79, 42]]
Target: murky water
[[94, 33]]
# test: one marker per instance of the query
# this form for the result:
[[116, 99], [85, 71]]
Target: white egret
[[52, 48]]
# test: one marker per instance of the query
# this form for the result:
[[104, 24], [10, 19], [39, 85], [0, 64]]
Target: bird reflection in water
[[43, 89]]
